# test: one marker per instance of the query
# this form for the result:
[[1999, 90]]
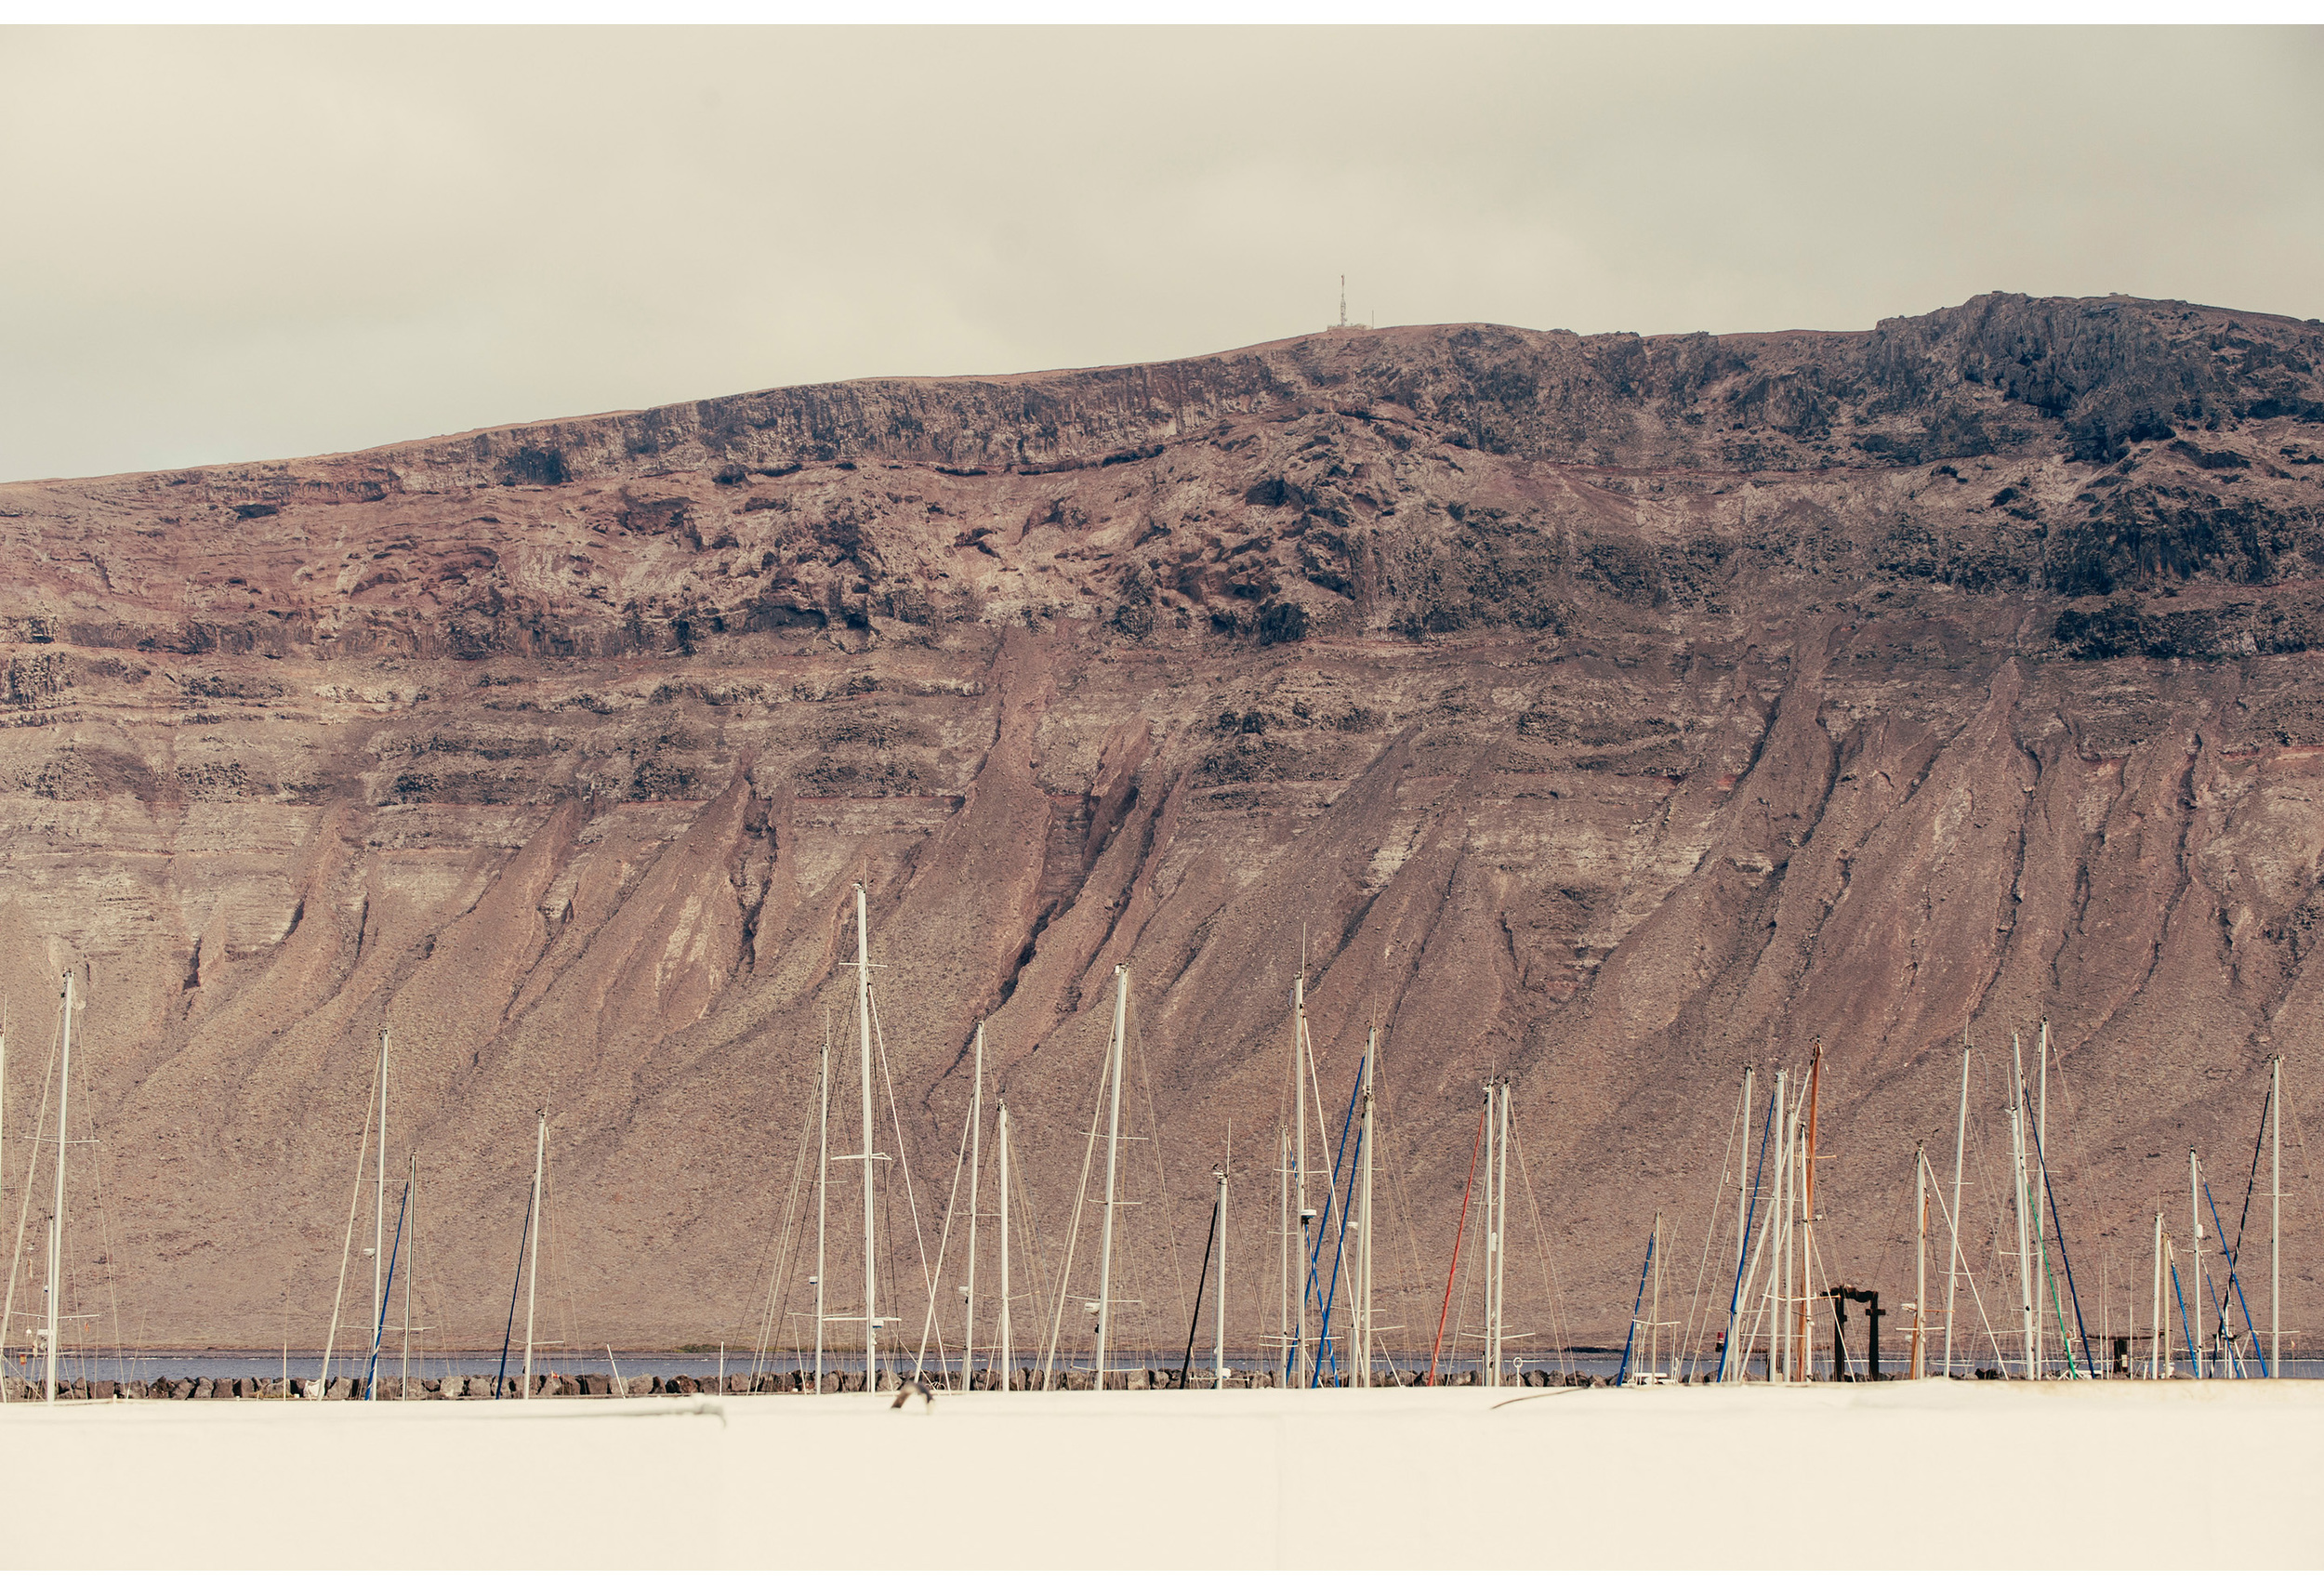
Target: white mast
[[1218, 1317], [2037, 1167], [863, 1025], [1742, 1217], [1299, 1177], [976, 1162], [1364, 1221], [1008, 1340], [532, 1242], [1500, 1237], [1652, 1362], [56, 1218], [2017, 1171], [379, 1206], [49, 1360], [824, 1193], [1492, 1361], [347, 1252], [1791, 1264], [1779, 1342], [1920, 1258], [1284, 1235], [2155, 1325], [1952, 1263], [7, 1303], [1113, 1150], [11, 1299], [2194, 1222], [823, 1202], [2275, 1220], [411, 1220]]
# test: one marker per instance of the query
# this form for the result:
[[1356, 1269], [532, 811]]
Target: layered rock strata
[[1607, 712]]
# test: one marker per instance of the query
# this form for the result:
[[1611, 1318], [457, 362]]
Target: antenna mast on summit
[[1343, 299]]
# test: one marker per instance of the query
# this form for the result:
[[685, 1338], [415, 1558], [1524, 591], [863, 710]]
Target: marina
[[1762, 1210]]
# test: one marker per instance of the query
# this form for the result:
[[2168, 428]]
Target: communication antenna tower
[[1343, 325]]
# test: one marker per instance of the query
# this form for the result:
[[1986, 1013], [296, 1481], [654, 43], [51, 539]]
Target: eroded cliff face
[[1605, 712]]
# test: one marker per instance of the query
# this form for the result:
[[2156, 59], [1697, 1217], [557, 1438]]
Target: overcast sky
[[244, 243]]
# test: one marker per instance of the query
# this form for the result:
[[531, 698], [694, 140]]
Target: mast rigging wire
[[1445, 1312]]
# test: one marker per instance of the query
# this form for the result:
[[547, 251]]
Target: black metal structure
[[1841, 1296]]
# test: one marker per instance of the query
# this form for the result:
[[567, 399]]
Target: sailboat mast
[[1283, 1237], [1501, 1239], [2155, 1324], [7, 1300], [379, 1200], [533, 1243], [1654, 1309], [2017, 1175], [1742, 1220], [823, 1203], [976, 1162], [1778, 1340], [2275, 1219], [1952, 1263], [2037, 1161], [1492, 1240], [1218, 1313], [863, 1026], [1008, 1340], [1807, 1204], [1363, 1220], [1920, 1258], [1299, 1178], [56, 1217], [2195, 1247], [411, 1187], [1113, 1150], [49, 1360]]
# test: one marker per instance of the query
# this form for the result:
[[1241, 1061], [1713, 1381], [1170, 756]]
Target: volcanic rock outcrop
[[1605, 712]]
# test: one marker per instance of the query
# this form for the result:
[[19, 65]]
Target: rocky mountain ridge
[[1608, 712]]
